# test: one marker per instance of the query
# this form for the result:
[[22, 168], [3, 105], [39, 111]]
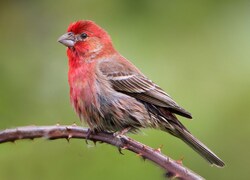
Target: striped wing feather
[[137, 85]]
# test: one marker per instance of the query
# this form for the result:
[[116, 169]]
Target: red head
[[86, 38]]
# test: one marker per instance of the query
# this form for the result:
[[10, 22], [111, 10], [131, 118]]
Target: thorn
[[94, 141], [69, 137], [143, 158], [180, 161], [158, 149], [170, 175], [141, 155], [57, 124], [74, 124]]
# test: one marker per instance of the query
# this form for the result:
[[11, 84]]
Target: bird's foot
[[89, 133], [119, 135]]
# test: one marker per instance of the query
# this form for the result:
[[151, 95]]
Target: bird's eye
[[84, 35]]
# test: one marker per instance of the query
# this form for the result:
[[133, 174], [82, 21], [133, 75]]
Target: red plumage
[[111, 94]]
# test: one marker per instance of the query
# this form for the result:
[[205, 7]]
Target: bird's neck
[[77, 58]]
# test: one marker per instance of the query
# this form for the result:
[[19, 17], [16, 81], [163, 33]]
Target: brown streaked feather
[[135, 84]]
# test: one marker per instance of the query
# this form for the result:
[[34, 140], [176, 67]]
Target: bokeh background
[[198, 51]]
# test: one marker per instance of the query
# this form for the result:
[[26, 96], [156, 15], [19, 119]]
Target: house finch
[[111, 94]]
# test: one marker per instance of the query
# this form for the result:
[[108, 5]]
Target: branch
[[173, 168]]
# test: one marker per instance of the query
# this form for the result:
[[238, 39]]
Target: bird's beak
[[67, 39]]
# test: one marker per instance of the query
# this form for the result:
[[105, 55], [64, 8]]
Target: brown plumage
[[111, 94]]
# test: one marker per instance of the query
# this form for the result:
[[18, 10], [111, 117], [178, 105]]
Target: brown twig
[[173, 168]]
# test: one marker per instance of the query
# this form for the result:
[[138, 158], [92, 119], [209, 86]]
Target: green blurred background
[[198, 51]]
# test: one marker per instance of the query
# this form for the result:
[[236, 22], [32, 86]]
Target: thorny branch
[[173, 168]]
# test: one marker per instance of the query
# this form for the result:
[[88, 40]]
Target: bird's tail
[[198, 146]]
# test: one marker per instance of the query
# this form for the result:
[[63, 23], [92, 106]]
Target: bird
[[112, 95]]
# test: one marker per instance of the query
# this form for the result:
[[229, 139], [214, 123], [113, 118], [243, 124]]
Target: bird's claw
[[89, 133]]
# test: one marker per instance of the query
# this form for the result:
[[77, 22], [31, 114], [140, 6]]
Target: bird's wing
[[135, 84]]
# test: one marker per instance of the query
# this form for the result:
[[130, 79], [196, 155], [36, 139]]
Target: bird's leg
[[122, 132], [118, 134]]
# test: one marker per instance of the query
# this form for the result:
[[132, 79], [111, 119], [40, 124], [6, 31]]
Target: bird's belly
[[120, 111], [113, 112]]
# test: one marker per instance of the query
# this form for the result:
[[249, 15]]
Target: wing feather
[[137, 85]]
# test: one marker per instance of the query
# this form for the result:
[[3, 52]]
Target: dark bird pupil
[[83, 35]]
